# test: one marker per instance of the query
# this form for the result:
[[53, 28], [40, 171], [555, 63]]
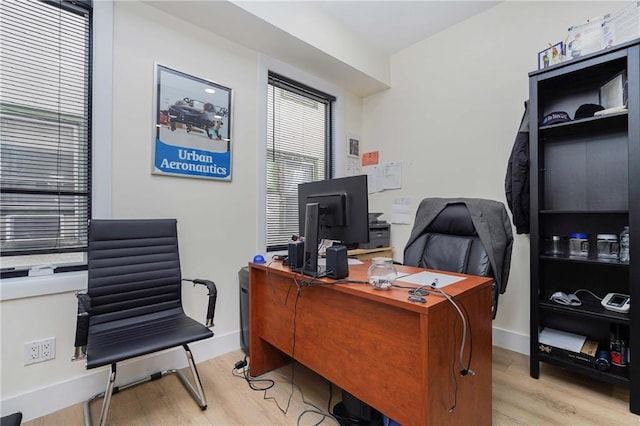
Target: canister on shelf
[[579, 244], [555, 245], [607, 246]]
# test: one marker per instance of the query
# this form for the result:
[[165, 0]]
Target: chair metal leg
[[107, 396], [197, 391]]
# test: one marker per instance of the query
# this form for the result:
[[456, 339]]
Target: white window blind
[[45, 132], [299, 141]]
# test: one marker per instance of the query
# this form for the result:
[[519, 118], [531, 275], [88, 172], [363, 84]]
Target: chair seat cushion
[[131, 337]]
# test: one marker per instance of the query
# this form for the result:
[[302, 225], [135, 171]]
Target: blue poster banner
[[192, 162], [192, 128]]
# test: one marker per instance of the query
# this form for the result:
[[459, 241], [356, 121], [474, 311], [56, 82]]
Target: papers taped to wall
[[623, 25], [585, 38]]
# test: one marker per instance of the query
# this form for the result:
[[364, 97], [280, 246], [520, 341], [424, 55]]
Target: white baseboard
[[510, 340], [43, 401], [40, 402]]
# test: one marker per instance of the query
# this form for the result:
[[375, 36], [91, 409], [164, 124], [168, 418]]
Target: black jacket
[[516, 182]]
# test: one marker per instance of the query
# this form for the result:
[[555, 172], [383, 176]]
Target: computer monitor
[[334, 209]]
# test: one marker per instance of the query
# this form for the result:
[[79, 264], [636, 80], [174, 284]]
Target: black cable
[[466, 324], [470, 337], [453, 367]]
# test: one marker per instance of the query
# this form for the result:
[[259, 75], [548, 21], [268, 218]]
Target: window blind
[[299, 146], [45, 104]]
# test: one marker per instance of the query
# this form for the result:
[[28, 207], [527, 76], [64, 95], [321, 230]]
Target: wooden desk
[[368, 254], [400, 357]]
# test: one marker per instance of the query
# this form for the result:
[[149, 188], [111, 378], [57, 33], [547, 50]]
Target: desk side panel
[[472, 402], [369, 349], [270, 335]]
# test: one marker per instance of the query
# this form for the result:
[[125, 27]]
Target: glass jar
[[579, 244], [607, 246], [555, 245], [381, 274]]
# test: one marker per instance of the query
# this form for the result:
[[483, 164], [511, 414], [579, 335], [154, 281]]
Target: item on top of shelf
[[555, 117], [556, 245], [607, 246], [568, 346], [587, 110], [622, 25], [585, 38], [579, 244], [617, 302], [614, 110], [624, 245], [603, 360], [614, 93], [618, 345], [554, 54], [565, 299]]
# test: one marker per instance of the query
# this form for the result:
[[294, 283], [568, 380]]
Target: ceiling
[[394, 25], [388, 26]]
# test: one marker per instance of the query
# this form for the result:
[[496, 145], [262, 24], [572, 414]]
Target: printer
[[379, 233]]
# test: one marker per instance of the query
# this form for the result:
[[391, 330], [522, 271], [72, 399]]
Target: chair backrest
[[134, 268], [450, 243]]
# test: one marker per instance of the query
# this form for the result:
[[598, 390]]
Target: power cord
[[587, 291], [465, 370], [253, 381], [241, 369]]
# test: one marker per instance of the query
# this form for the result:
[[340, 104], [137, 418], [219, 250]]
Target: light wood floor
[[557, 398]]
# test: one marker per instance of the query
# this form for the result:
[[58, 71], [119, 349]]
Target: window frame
[[299, 91], [65, 280], [268, 64], [74, 197]]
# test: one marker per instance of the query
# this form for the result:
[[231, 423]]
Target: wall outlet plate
[[39, 350]]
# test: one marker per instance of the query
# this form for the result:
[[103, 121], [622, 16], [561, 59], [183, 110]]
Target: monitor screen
[[343, 208], [340, 212]]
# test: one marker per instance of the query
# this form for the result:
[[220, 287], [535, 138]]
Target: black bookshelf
[[585, 177]]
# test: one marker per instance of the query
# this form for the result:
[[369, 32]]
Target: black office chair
[[465, 235], [14, 419], [133, 305]]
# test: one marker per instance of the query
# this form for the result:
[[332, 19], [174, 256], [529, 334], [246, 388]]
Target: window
[[45, 157], [299, 144]]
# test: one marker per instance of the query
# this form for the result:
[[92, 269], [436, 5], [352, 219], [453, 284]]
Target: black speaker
[[337, 263], [295, 258]]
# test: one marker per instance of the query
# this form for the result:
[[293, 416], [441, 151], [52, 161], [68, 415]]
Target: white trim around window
[[15, 288], [266, 64]]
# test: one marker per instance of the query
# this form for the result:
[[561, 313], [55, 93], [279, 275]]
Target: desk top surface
[[395, 296]]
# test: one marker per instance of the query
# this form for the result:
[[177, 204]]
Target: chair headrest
[[454, 220]]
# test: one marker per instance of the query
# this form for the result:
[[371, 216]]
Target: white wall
[[217, 221], [452, 115]]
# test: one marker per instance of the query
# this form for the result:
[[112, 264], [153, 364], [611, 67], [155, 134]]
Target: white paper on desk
[[428, 278], [561, 339]]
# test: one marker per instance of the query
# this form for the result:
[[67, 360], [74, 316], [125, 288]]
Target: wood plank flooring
[[557, 398]]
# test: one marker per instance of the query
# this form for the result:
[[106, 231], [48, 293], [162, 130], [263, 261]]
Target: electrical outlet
[[39, 350], [48, 349]]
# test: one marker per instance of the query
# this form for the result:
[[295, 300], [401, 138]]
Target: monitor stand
[[319, 273], [310, 265]]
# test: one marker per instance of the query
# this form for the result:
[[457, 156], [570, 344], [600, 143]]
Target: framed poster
[[192, 128], [550, 56]]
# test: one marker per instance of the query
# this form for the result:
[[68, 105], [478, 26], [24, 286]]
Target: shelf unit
[[585, 177]]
